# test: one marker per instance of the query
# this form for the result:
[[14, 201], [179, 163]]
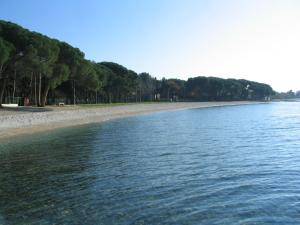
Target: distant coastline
[[287, 100], [14, 123]]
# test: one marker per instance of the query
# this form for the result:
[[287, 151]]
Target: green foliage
[[120, 82], [212, 88], [35, 65], [6, 50], [72, 57], [88, 76], [60, 73]]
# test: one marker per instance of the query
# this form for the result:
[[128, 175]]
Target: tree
[[47, 52], [32, 64], [6, 51], [121, 81], [146, 85], [59, 74], [74, 58]]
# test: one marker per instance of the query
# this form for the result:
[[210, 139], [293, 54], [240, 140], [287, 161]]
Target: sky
[[246, 39]]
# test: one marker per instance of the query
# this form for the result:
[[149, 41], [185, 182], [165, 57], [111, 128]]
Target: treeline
[[44, 71], [287, 95]]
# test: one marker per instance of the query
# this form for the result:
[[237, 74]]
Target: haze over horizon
[[256, 40]]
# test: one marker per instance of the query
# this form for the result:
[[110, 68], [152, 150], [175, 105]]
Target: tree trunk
[[140, 95], [96, 97], [2, 86], [74, 93], [109, 97], [44, 96], [35, 93], [30, 85], [2, 91], [14, 88], [40, 89], [135, 94]]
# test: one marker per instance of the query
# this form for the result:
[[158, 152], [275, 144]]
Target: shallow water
[[223, 165]]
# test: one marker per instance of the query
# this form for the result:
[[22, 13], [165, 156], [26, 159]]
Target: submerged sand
[[29, 121]]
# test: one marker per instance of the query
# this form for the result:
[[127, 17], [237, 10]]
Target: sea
[[220, 165]]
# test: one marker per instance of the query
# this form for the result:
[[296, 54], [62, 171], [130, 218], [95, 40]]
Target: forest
[[39, 70]]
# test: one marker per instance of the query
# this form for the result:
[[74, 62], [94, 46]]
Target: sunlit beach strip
[[13, 123]]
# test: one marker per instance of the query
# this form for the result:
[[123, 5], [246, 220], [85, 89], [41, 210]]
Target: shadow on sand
[[26, 109]]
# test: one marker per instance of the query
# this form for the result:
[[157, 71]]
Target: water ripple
[[231, 165]]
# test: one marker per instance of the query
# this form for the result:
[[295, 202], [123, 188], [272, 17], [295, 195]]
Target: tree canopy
[[45, 70]]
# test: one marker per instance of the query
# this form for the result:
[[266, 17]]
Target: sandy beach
[[30, 121]]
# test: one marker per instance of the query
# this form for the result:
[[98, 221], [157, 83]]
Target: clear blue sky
[[256, 40]]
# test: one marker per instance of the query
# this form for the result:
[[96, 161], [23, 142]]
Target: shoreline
[[27, 123]]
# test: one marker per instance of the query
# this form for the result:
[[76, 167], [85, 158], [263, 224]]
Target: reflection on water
[[224, 165]]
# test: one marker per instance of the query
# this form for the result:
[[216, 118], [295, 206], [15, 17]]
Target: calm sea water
[[224, 165]]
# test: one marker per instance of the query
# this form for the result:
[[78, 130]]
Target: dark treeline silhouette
[[44, 71], [287, 95]]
